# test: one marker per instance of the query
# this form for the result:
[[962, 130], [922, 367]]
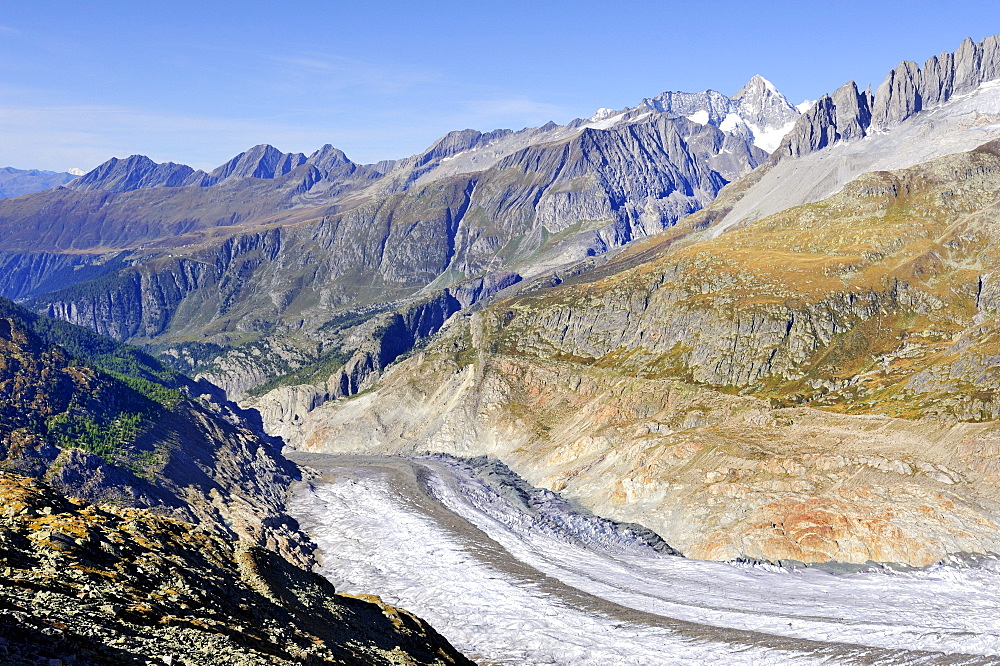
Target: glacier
[[515, 579]]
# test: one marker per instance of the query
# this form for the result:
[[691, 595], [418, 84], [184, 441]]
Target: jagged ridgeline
[[239, 273]]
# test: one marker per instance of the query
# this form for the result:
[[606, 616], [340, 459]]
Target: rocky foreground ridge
[[83, 584]]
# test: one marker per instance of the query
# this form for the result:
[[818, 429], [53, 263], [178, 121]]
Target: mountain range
[[268, 249], [803, 369]]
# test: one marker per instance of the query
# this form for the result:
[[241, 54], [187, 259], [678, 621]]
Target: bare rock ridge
[[84, 584], [908, 89], [361, 356], [263, 162], [133, 173]]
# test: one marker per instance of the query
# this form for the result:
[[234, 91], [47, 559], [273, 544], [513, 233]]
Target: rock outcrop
[[908, 89], [83, 584]]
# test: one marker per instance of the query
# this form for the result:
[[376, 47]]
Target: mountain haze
[[18, 182]]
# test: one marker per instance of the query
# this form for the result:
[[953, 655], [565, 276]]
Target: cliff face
[[88, 584], [908, 89], [815, 386]]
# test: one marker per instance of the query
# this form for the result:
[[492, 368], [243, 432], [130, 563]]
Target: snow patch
[[805, 105], [731, 122], [769, 138], [700, 117], [601, 114], [606, 122]]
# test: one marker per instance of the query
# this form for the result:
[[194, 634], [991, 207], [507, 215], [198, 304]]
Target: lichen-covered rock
[[87, 584]]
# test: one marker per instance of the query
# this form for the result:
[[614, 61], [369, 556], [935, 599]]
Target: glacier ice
[[508, 581]]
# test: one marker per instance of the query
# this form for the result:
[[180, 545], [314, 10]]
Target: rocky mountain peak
[[328, 159], [906, 91], [761, 105], [261, 161], [133, 173], [757, 86], [758, 111]]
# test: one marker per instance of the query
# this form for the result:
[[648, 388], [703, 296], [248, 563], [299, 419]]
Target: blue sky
[[197, 82]]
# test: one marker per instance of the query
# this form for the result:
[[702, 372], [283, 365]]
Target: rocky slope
[[663, 387], [85, 584], [108, 423]]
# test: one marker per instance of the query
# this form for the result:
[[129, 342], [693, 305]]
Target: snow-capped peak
[[758, 112], [75, 171], [601, 114], [805, 105], [758, 80], [767, 113]]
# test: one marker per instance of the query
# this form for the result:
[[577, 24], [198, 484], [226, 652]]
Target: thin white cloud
[[336, 72], [7, 30]]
